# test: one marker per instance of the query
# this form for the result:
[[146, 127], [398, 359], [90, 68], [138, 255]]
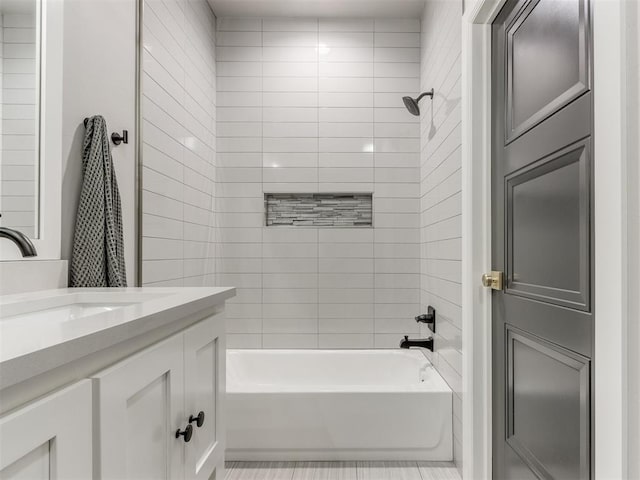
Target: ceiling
[[318, 8]]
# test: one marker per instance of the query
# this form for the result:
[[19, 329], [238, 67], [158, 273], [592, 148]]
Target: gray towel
[[98, 255]]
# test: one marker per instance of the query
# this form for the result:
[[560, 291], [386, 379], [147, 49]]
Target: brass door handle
[[493, 280]]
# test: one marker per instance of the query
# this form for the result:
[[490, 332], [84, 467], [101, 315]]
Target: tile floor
[[341, 471]]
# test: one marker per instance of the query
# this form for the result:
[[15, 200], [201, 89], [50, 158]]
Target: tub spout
[[423, 343]]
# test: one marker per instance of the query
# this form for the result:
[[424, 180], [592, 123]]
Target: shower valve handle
[[429, 318]]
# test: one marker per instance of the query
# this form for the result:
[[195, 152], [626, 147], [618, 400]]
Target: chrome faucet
[[21, 240], [423, 343]]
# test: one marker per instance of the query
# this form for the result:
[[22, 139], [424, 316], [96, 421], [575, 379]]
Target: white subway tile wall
[[178, 143], [18, 114], [315, 105], [440, 194]]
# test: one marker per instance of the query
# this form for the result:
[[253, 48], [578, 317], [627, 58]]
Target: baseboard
[[264, 455]]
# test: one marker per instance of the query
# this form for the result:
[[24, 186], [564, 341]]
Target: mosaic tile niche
[[319, 210]]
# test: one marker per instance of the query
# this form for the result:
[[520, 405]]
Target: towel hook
[[116, 138]]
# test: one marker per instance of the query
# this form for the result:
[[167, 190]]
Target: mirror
[[20, 34]]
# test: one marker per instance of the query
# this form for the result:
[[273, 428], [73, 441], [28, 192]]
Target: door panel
[[139, 408], [204, 362], [59, 440], [145, 441], [542, 240], [33, 466], [547, 227], [547, 49], [547, 406]]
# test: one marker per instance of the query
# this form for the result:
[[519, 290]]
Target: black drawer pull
[[199, 419], [186, 433]]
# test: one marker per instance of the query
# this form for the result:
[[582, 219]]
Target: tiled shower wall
[[315, 105], [178, 143], [440, 194]]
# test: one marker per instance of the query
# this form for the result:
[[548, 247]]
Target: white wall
[[634, 250], [440, 193], [1, 96], [178, 143], [99, 78], [307, 105]]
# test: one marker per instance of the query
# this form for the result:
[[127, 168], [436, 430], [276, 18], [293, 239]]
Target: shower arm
[[429, 93]]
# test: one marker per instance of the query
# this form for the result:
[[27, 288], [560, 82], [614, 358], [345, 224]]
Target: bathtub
[[336, 405]]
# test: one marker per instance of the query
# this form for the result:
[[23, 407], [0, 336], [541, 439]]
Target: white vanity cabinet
[[50, 438], [96, 383], [142, 402]]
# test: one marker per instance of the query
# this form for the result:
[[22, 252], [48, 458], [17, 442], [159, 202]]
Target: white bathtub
[[336, 405]]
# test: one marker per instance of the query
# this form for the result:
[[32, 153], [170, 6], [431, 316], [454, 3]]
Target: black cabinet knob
[[199, 419], [186, 433]]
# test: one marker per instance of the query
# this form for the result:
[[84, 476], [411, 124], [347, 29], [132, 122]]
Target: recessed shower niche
[[353, 210]]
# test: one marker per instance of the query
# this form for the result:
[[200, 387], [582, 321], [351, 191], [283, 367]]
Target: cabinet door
[[204, 362], [139, 409], [50, 438]]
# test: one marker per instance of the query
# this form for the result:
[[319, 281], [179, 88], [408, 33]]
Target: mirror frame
[[50, 14]]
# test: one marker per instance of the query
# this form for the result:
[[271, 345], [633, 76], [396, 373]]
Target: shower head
[[412, 103]]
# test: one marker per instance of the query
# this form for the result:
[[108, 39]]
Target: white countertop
[[32, 342]]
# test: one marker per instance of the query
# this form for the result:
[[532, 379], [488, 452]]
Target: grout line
[[318, 184], [184, 83], [262, 180]]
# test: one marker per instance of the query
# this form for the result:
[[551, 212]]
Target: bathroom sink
[[71, 311], [69, 306], [34, 321]]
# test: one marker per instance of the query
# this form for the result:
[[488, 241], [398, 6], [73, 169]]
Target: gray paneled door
[[542, 240]]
